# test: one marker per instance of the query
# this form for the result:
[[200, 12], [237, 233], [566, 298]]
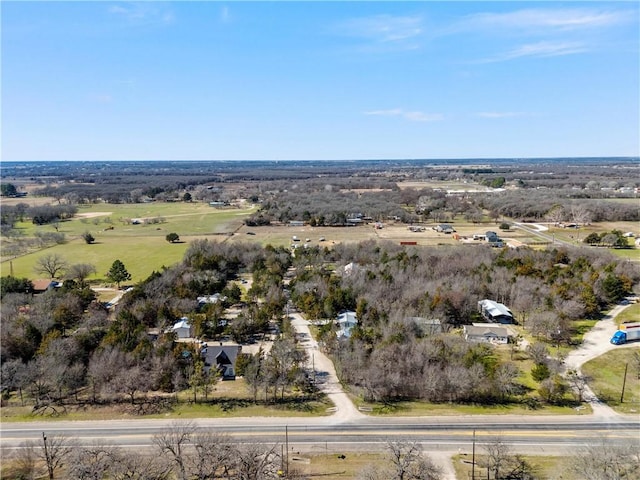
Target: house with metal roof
[[495, 312]]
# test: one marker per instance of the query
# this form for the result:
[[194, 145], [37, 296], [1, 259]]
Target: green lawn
[[416, 408], [607, 373], [142, 248], [226, 399], [629, 314]]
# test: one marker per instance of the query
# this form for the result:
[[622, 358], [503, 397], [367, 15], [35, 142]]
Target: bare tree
[[213, 455], [255, 461], [55, 452], [498, 454], [131, 381], [578, 383], [580, 214], [556, 214], [539, 353], [372, 472], [51, 264], [104, 366], [174, 442], [405, 462], [133, 466], [90, 463], [604, 461], [25, 461], [80, 272], [506, 376]]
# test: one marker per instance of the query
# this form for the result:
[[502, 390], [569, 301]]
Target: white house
[[215, 298], [183, 328], [487, 333], [346, 321]]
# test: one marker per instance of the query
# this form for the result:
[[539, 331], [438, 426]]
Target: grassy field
[[629, 314], [607, 373], [550, 467], [416, 409], [226, 400], [576, 237], [142, 248]]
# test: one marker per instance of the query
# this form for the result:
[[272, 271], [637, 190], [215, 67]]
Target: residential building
[[346, 321], [487, 333], [221, 357]]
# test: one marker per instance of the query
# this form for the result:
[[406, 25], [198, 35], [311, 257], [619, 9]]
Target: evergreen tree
[[118, 273]]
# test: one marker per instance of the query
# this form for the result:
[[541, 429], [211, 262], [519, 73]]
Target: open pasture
[[282, 235], [449, 185], [142, 247]]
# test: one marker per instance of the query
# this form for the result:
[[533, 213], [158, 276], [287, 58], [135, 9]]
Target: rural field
[[141, 247], [135, 234]]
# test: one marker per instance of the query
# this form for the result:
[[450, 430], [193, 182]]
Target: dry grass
[[330, 466], [549, 467]]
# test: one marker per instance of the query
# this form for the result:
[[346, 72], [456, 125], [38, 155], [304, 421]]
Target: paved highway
[[442, 431]]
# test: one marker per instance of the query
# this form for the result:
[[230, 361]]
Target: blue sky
[[327, 80]]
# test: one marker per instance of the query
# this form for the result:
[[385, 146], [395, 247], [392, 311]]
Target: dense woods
[[389, 357]]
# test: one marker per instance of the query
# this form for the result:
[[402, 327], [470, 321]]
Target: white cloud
[[547, 19], [384, 31], [539, 49], [414, 116], [145, 13]]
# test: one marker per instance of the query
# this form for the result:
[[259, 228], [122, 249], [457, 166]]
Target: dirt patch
[[93, 214]]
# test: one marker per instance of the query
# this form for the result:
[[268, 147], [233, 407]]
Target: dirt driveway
[[595, 343], [325, 373]]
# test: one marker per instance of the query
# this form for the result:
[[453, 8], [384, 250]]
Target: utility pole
[[46, 456], [624, 382], [286, 439], [473, 457]]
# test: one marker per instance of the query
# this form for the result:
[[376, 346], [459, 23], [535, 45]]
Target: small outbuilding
[[182, 329], [495, 312]]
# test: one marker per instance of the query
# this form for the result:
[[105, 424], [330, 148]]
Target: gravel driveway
[[595, 343]]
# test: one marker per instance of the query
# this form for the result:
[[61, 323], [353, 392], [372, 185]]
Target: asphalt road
[[446, 433]]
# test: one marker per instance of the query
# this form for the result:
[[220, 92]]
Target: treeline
[[557, 205], [329, 207], [39, 215], [390, 356], [327, 204]]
